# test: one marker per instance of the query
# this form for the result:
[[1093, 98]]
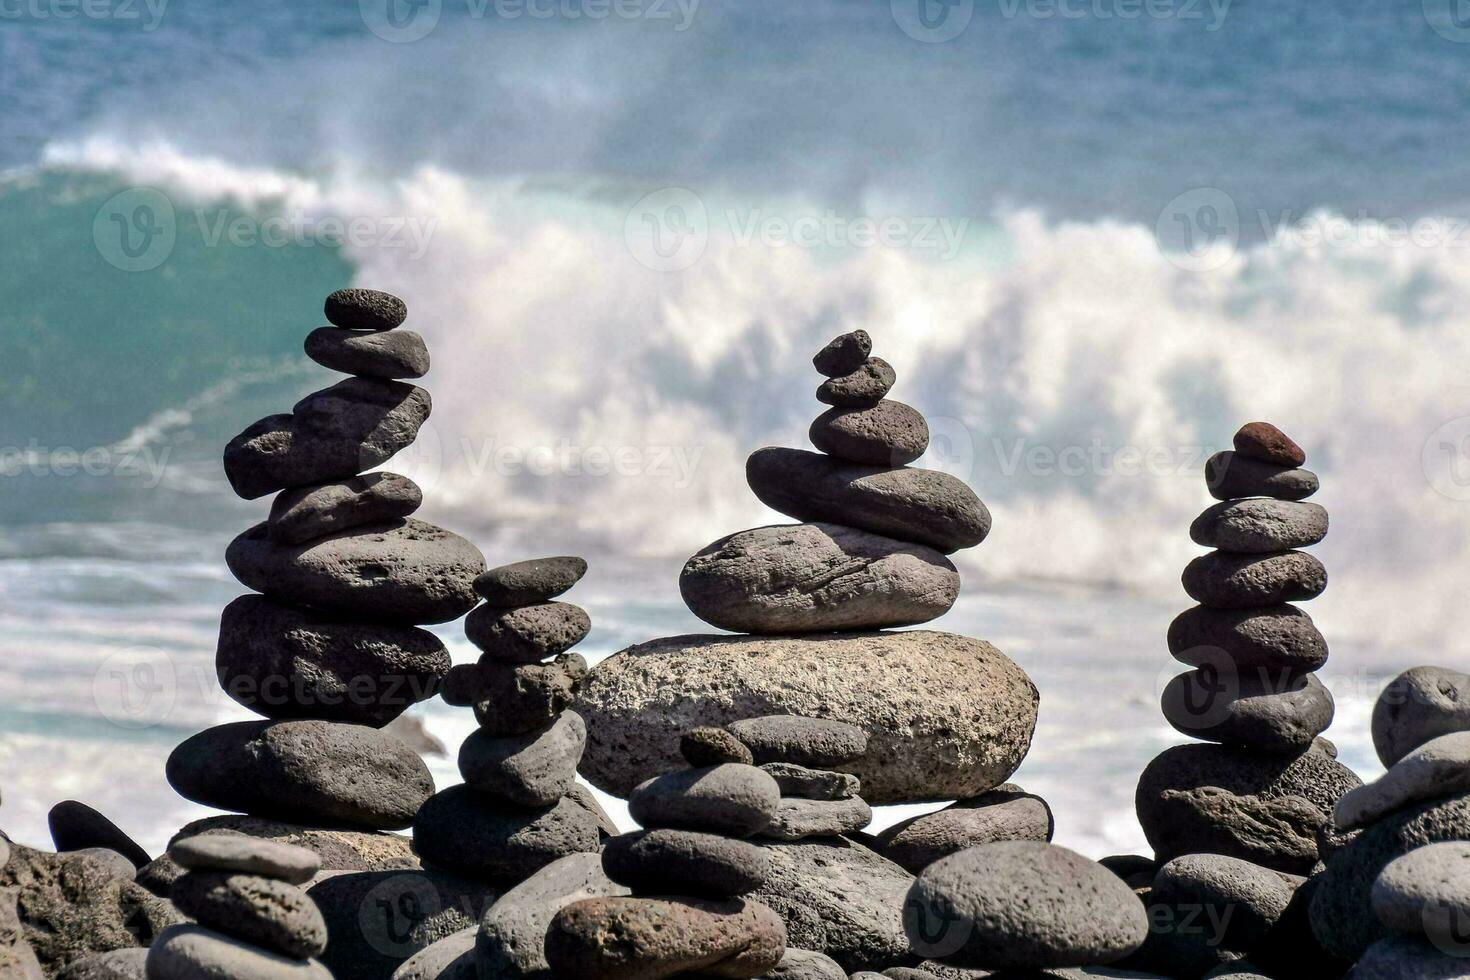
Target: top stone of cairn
[[844, 355], [1265, 442], [365, 309]]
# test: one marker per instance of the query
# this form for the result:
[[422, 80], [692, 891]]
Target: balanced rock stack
[[686, 869], [251, 918], [802, 756], [947, 717], [519, 808], [1266, 791], [329, 652], [1397, 892]]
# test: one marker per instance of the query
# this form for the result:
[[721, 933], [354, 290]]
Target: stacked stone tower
[[519, 808], [251, 917], [1265, 791], [329, 651]]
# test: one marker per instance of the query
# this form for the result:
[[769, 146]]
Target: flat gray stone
[[812, 784], [947, 716], [535, 769], [1405, 958], [1342, 912], [75, 826], [800, 578], [369, 353], [512, 936], [451, 958], [805, 964], [840, 899], [1436, 769], [119, 964], [1022, 904], [512, 699], [1222, 580], [730, 799], [1230, 476], [246, 855], [706, 746], [365, 309], [307, 513], [316, 771], [812, 742], [284, 662], [1418, 705], [1004, 813], [194, 953], [333, 434], [924, 506], [527, 634], [843, 354], [525, 583], [400, 572], [1260, 526], [1279, 636], [889, 433], [339, 849], [263, 912], [474, 834], [861, 388], [1427, 892], [685, 862], [798, 819], [1266, 809], [1258, 708]]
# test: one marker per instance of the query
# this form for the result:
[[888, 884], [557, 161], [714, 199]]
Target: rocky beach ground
[[749, 759]]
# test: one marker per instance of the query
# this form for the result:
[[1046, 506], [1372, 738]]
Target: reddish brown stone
[[1263, 441]]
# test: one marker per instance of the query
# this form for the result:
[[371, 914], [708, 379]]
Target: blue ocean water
[[497, 168]]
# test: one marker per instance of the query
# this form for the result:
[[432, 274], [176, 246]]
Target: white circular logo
[[668, 230], [1445, 459], [392, 913], [401, 21], [1199, 230], [1450, 19], [136, 688], [933, 21], [136, 230], [422, 462], [951, 448]]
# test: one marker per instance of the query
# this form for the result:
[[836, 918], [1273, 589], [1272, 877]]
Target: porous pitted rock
[[800, 740], [843, 354], [1426, 892], [119, 964], [805, 964], [527, 634], [246, 855], [685, 862], [306, 513], [1222, 580], [729, 799], [798, 819], [1418, 705], [478, 835], [1260, 526], [865, 386], [947, 716], [451, 958], [1004, 813], [812, 784], [369, 353], [364, 309], [712, 746], [512, 699], [534, 769], [1279, 636], [191, 952], [321, 771], [798, 578], [1255, 707], [523, 583], [1238, 902], [1230, 476], [273, 915], [889, 433], [1436, 769], [339, 849], [1265, 442], [76, 827]]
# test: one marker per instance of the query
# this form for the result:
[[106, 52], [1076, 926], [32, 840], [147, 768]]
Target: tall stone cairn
[[1265, 791], [328, 650]]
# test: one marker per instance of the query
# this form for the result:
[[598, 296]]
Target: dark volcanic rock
[[1236, 904], [283, 662], [843, 354], [512, 941], [1276, 636], [307, 513], [119, 964], [481, 836], [798, 819], [1259, 708], [400, 572], [812, 784], [338, 849], [333, 434], [320, 771], [1004, 813], [527, 634], [1436, 769], [1230, 476], [264, 912], [672, 862], [365, 309], [1426, 891], [536, 580], [515, 699], [369, 353], [925, 506], [1418, 705], [801, 578], [706, 746], [77, 827], [191, 952], [1260, 526], [534, 769], [1265, 442], [1222, 580], [729, 799], [812, 742], [246, 855], [863, 387], [889, 433]]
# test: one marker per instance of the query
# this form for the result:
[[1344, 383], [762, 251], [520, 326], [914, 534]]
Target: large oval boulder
[[801, 578], [947, 717], [312, 771], [404, 571]]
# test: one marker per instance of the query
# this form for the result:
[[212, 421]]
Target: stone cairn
[[1265, 791], [519, 808], [1395, 896], [687, 870], [329, 651], [252, 919]]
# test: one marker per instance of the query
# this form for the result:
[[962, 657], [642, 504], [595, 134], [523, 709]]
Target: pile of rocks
[[1264, 793], [329, 651], [519, 807], [1397, 892], [251, 918], [802, 755]]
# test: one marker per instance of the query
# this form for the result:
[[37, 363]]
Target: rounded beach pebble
[[246, 855], [365, 309]]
